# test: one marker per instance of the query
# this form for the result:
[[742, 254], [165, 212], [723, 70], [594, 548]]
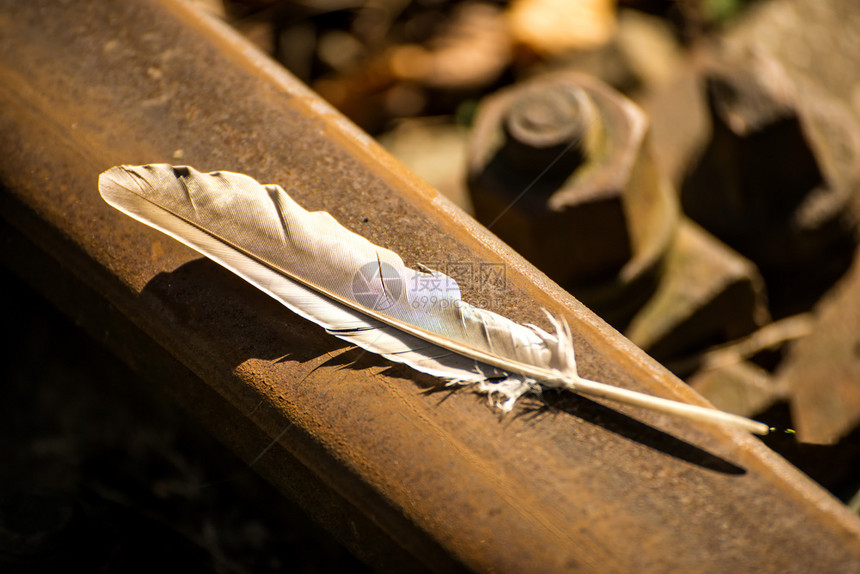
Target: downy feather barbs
[[360, 292]]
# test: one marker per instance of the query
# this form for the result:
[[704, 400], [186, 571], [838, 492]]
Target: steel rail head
[[370, 452]]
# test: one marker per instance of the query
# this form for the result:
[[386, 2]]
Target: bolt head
[[549, 116]]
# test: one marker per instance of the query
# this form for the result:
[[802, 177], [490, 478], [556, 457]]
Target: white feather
[[359, 291]]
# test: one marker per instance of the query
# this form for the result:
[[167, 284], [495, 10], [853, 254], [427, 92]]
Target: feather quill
[[360, 292]]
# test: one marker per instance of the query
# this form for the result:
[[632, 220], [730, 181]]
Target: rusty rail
[[405, 477]]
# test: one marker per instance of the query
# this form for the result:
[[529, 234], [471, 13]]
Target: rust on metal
[[602, 219], [707, 293], [822, 373], [405, 477], [579, 148], [766, 184]]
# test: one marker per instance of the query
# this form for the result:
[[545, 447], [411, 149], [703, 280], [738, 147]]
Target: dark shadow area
[[99, 475], [833, 466], [631, 429], [232, 311]]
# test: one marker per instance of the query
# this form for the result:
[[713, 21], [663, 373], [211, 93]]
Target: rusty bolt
[[546, 125], [761, 184], [559, 169]]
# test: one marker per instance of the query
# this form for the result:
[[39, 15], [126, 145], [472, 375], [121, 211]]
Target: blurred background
[[689, 169]]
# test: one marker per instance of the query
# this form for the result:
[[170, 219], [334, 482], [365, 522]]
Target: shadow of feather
[[558, 403], [205, 298]]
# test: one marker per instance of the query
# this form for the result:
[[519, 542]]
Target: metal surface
[[406, 478]]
